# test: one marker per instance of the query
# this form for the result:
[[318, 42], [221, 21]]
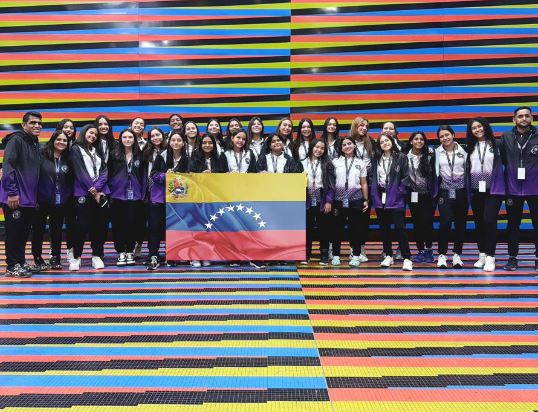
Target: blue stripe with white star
[[235, 217]]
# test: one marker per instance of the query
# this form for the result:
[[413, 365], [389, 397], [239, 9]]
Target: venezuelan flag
[[235, 216]]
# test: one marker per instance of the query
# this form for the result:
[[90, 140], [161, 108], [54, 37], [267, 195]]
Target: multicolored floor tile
[[236, 339]]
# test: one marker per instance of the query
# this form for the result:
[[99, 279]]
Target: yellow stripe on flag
[[235, 187]]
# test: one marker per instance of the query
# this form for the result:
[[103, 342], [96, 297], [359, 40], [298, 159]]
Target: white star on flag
[[257, 216], [240, 207], [213, 217], [262, 224], [221, 211], [249, 211], [230, 208], [209, 225]]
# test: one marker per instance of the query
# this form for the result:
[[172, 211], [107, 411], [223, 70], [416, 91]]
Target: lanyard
[[332, 151], [361, 155], [303, 145], [521, 148], [451, 164], [274, 160], [313, 172], [238, 162], [208, 164], [176, 162], [348, 169], [57, 165], [93, 158], [386, 169], [414, 171], [190, 149], [257, 147], [482, 157]]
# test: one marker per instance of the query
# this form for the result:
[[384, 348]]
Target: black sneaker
[[511, 264], [153, 263], [18, 271], [55, 263], [40, 264], [31, 269]]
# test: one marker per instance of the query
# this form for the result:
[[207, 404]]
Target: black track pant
[[124, 220], [422, 217], [90, 219], [514, 209], [17, 224], [316, 219], [157, 228], [387, 217], [452, 210], [56, 217]]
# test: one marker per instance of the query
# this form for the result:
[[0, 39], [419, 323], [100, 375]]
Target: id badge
[[130, 194], [414, 197], [452, 194], [482, 186], [521, 173], [384, 197], [314, 202], [58, 199], [345, 203]]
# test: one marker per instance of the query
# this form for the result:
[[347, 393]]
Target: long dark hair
[[488, 133], [340, 151], [286, 139], [149, 147], [230, 145], [196, 138], [424, 164], [378, 152], [249, 127], [313, 143], [119, 153], [325, 133], [228, 132], [109, 137], [81, 139], [267, 144], [61, 125], [199, 156], [300, 138], [48, 150], [218, 138], [170, 151]]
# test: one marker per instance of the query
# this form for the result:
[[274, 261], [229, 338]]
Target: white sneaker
[[407, 264], [74, 264], [97, 263], [387, 262], [489, 265], [70, 255], [354, 261], [121, 260], [130, 259], [206, 263], [335, 261], [195, 263], [457, 263], [363, 258], [481, 261], [441, 261]]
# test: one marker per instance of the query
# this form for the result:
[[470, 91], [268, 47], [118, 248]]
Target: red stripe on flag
[[261, 245]]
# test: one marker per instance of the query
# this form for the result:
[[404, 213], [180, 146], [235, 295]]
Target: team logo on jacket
[[16, 214], [491, 149], [65, 168], [441, 200], [137, 163], [509, 202], [534, 150], [178, 188], [81, 200], [460, 155], [247, 160]]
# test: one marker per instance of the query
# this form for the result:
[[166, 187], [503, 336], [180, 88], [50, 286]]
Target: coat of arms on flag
[[235, 216]]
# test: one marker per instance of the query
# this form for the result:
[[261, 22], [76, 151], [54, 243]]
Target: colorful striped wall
[[415, 62]]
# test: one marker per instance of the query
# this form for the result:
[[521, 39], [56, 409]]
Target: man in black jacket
[[18, 191], [520, 155]]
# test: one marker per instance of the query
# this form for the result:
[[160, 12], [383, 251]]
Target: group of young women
[[90, 178]]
